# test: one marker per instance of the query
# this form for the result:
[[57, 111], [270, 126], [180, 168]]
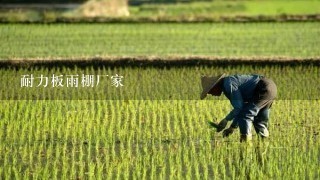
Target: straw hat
[[208, 82]]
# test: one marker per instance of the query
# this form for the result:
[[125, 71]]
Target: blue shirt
[[239, 89]]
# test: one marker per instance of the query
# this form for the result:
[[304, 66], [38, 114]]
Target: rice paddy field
[[211, 10], [153, 125], [205, 39]]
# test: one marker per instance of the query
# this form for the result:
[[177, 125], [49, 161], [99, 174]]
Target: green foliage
[[155, 126], [150, 83], [151, 140], [192, 10], [228, 8], [155, 139]]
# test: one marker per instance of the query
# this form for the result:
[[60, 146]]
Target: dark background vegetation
[[132, 2]]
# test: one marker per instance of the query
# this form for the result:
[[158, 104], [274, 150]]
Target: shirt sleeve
[[235, 98]]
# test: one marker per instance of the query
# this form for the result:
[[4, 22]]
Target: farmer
[[251, 97]]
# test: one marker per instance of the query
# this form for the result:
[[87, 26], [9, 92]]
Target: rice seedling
[[78, 41], [142, 133]]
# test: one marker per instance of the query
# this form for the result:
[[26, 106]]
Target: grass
[[229, 8], [293, 40], [151, 140], [155, 126], [181, 11], [95, 134], [142, 84]]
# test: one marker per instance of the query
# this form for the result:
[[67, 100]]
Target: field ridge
[[156, 61], [179, 19]]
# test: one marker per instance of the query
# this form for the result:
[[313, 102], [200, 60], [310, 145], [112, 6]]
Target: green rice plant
[[155, 137], [76, 41]]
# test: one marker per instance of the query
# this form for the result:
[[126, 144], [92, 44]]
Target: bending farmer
[[251, 97]]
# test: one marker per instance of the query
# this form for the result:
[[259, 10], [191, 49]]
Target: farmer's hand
[[222, 124], [228, 132]]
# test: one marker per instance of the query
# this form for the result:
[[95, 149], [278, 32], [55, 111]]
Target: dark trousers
[[257, 111]]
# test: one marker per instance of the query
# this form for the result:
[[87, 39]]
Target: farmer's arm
[[233, 93], [237, 103]]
